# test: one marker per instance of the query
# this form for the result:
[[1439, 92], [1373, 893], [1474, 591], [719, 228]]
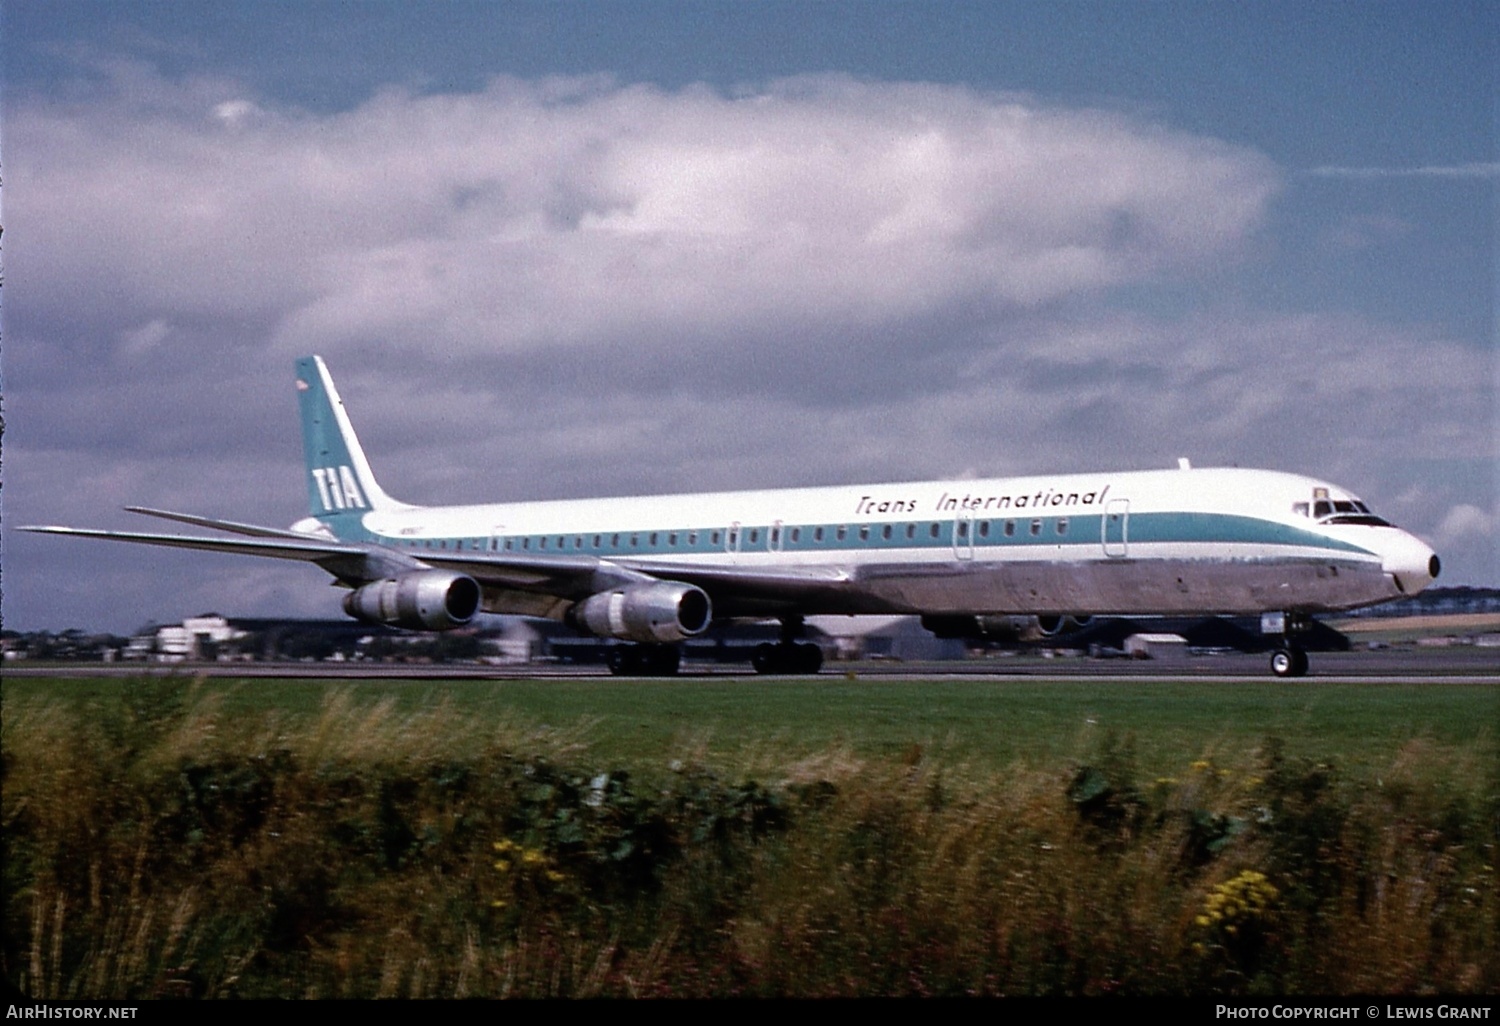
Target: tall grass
[[157, 845]]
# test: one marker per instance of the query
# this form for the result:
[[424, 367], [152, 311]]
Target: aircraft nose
[[1411, 563]]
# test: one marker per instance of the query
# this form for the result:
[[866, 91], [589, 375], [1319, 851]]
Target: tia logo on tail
[[338, 489]]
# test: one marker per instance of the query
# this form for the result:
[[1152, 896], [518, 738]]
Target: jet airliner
[[967, 556]]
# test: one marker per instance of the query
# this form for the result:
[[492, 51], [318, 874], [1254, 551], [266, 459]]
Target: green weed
[[164, 839]]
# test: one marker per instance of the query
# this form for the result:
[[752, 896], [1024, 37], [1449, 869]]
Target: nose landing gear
[[1289, 659]]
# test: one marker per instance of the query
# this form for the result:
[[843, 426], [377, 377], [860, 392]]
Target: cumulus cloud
[[561, 213], [1466, 521]]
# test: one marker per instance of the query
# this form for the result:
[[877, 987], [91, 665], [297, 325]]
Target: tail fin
[[339, 479]]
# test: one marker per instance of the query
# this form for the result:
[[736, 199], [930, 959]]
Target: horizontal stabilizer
[[234, 527]]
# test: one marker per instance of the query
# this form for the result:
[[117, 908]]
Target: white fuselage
[[1171, 541]]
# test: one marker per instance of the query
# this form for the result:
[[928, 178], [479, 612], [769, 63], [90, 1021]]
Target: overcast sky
[[570, 249]]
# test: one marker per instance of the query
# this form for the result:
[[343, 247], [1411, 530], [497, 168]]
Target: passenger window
[[911, 531], [864, 532], [1010, 529], [1036, 528], [843, 532], [817, 534], [796, 534], [933, 531], [984, 529], [1062, 526], [885, 532]]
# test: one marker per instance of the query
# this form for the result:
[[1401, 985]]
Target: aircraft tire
[[1289, 662], [645, 660], [786, 658], [623, 661], [662, 661]]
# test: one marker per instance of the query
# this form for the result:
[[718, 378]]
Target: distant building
[[197, 638]]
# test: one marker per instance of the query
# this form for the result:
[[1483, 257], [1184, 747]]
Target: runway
[[1450, 665]]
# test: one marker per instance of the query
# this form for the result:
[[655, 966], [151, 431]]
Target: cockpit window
[[1340, 511]]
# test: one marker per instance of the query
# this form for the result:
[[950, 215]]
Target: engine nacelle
[[423, 600], [661, 612]]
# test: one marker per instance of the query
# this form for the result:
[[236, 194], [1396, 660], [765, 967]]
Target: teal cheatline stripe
[[1080, 532], [1227, 528]]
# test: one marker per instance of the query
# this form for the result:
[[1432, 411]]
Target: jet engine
[[423, 600], [659, 612]]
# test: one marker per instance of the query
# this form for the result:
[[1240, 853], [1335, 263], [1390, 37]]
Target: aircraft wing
[[743, 591], [307, 549], [529, 584], [735, 591]]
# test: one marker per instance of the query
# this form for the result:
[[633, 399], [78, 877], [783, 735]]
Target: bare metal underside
[[1102, 587]]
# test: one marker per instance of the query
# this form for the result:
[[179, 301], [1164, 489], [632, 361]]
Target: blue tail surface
[[339, 479]]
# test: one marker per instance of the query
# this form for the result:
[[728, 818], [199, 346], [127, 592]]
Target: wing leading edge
[[526, 585]]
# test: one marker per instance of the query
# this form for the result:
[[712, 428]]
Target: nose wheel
[[1290, 661]]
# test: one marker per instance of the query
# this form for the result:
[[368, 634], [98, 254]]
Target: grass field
[[280, 838], [986, 725]]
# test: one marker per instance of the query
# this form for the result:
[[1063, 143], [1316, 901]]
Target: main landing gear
[[788, 655], [1289, 659], [645, 660]]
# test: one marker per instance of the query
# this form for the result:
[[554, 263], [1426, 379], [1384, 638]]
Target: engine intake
[[423, 600], [662, 612]]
